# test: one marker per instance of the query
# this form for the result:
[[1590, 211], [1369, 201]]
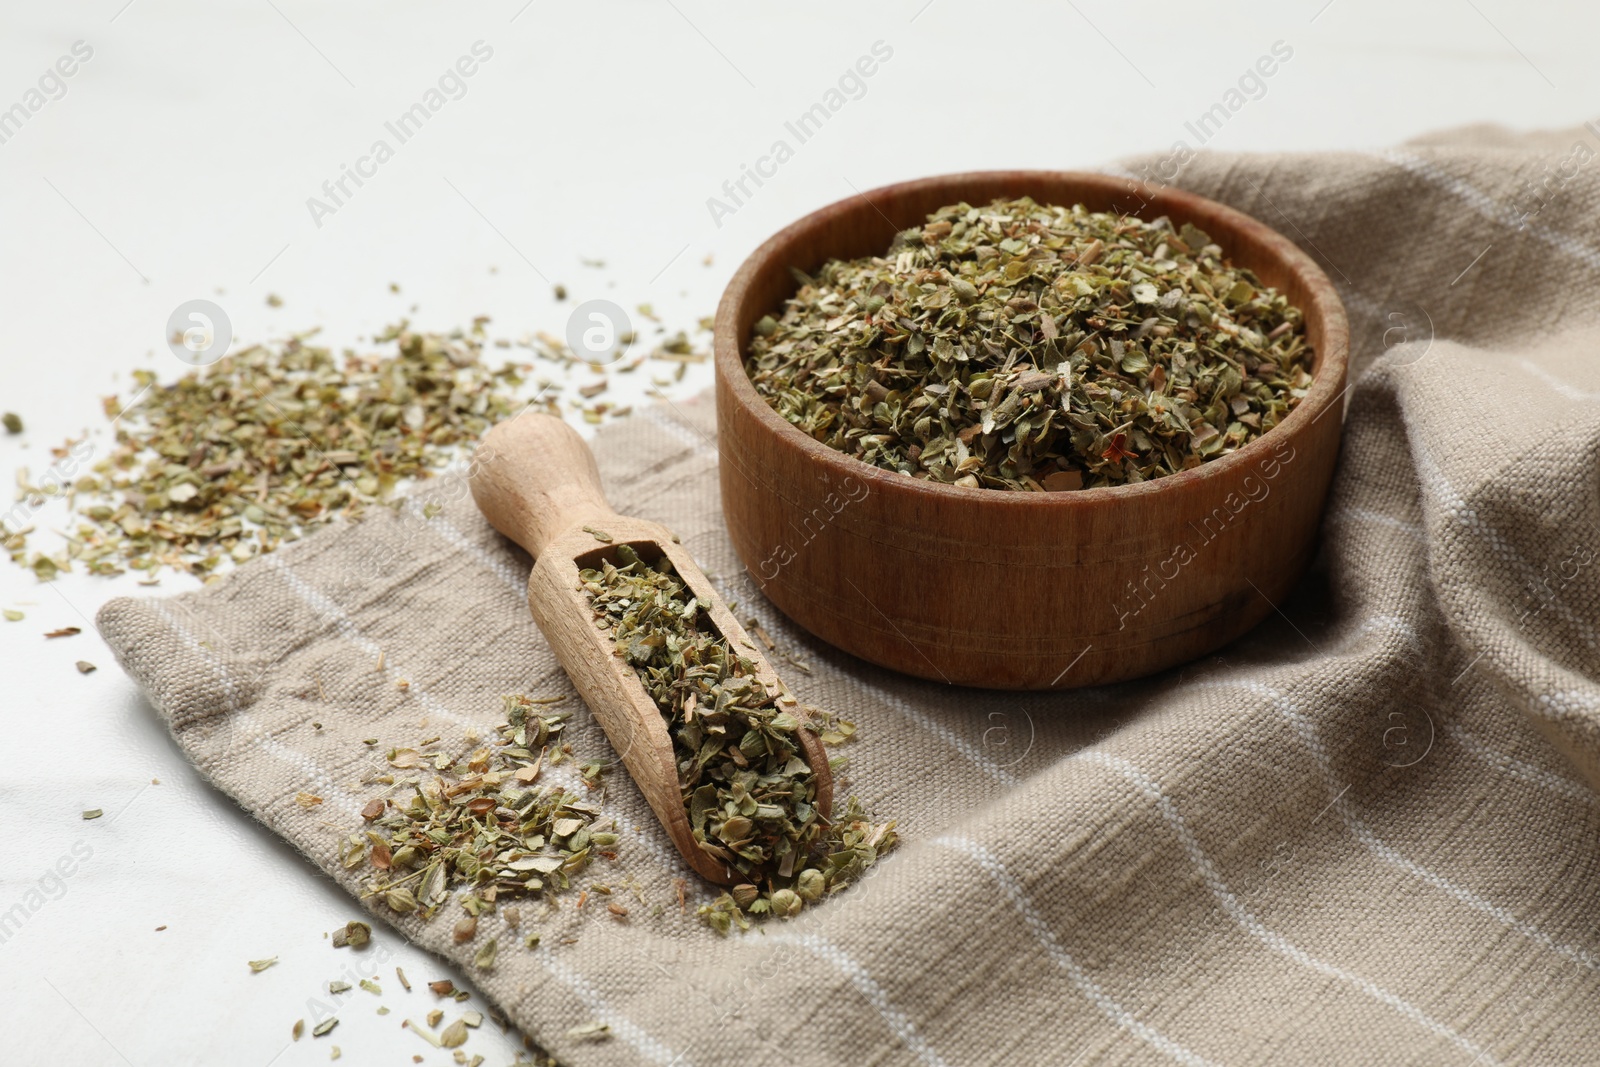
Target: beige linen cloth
[[1367, 832]]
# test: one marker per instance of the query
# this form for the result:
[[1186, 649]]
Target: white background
[[179, 162]]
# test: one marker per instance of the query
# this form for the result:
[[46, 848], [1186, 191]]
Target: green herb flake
[[352, 934]]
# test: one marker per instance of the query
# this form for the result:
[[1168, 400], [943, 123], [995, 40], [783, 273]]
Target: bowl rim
[[1329, 372]]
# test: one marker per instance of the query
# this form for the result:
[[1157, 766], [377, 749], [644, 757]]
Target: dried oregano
[[480, 822], [238, 457], [1024, 346], [353, 934], [233, 459], [750, 796]]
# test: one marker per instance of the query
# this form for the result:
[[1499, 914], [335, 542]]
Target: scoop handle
[[534, 479]]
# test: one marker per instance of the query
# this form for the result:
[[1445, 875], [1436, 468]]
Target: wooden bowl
[[1021, 590]]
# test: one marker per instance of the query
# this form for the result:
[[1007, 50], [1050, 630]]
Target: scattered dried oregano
[[352, 935], [748, 791], [236, 458], [1025, 346], [480, 822]]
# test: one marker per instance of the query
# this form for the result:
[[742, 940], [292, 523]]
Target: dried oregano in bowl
[[1026, 346]]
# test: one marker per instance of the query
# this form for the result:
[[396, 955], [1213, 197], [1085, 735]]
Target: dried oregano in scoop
[[750, 795], [1024, 346]]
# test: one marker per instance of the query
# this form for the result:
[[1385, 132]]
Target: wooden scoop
[[535, 480]]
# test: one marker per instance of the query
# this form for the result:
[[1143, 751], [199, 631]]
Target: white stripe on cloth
[[1487, 206], [648, 1047], [256, 733], [1061, 958], [1349, 514], [1337, 792], [1382, 623], [1247, 920], [972, 752], [499, 566], [327, 609], [696, 440], [1523, 771], [1571, 392], [874, 994], [1455, 507]]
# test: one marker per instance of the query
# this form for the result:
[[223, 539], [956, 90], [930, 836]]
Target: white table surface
[[178, 164]]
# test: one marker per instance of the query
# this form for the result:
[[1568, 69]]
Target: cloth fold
[[1364, 833]]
